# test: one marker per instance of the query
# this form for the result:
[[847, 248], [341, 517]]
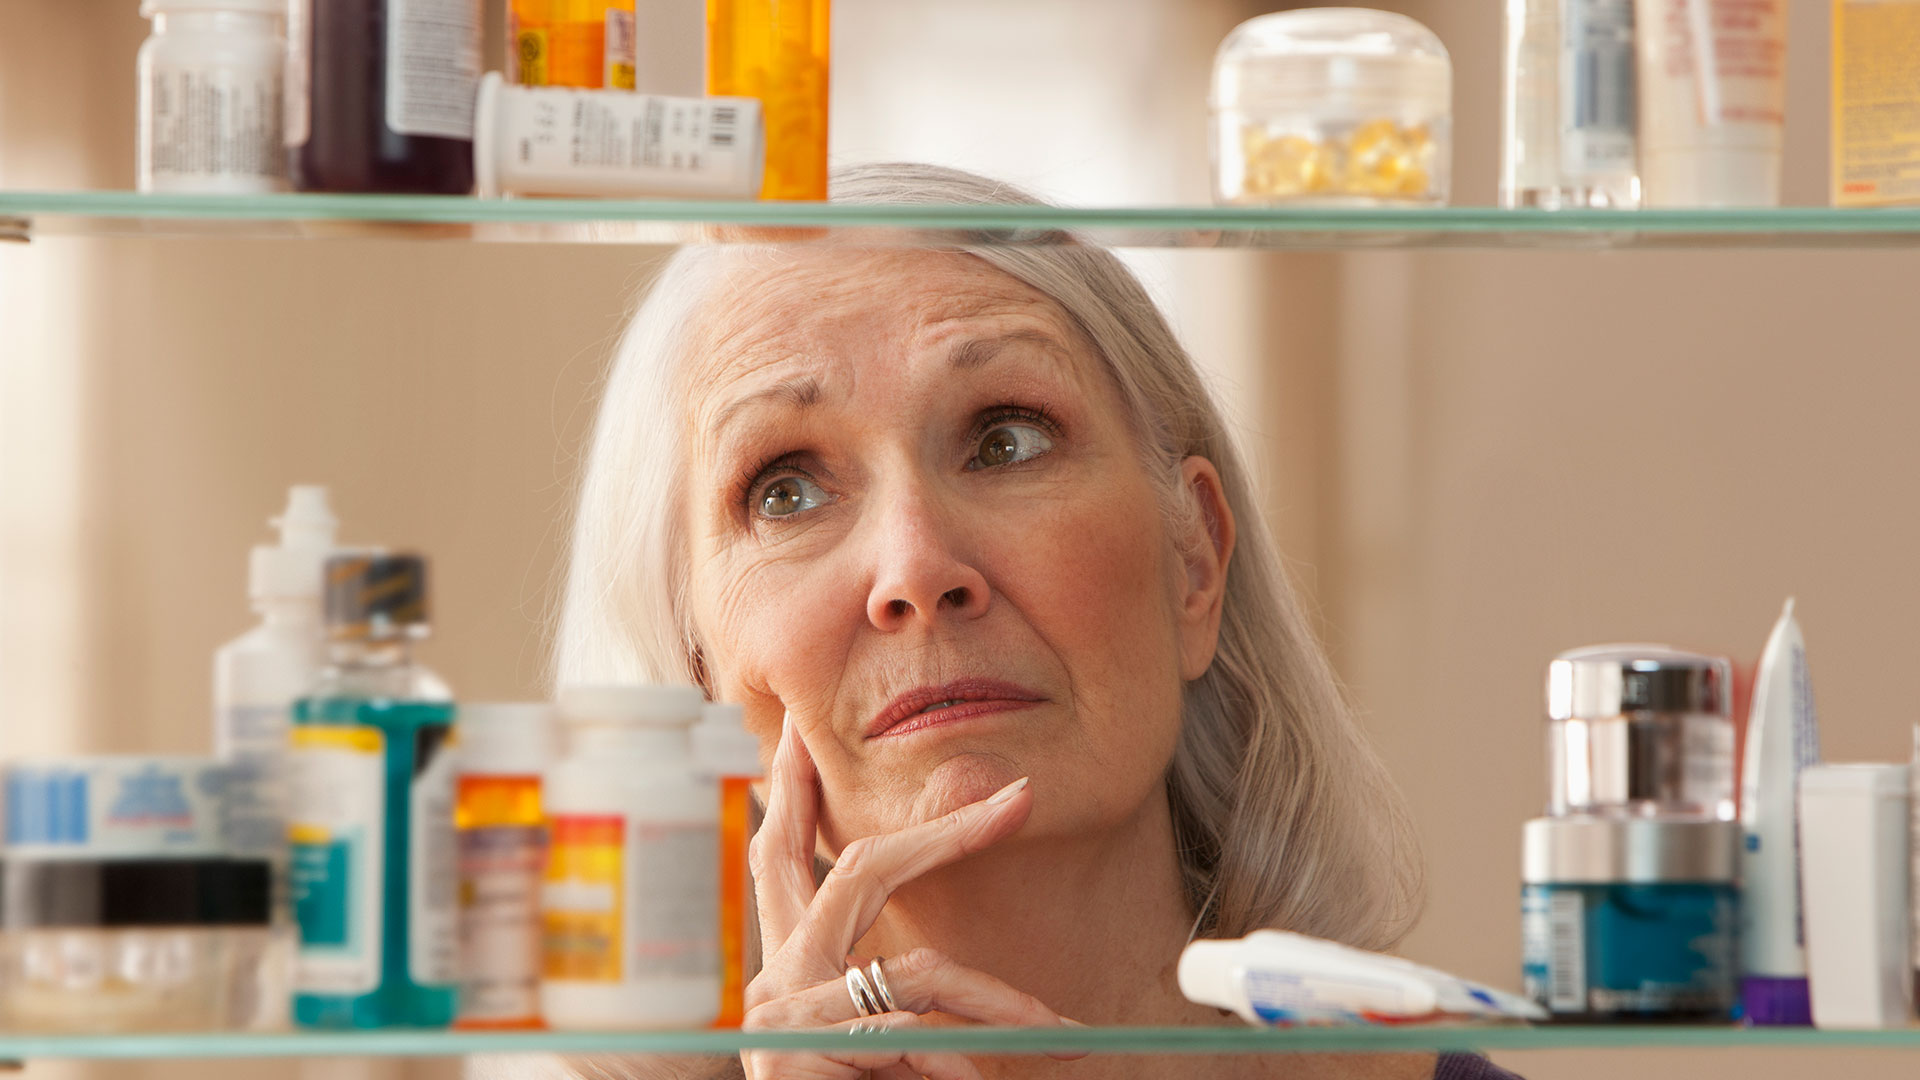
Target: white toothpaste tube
[[1783, 737], [1277, 978], [542, 140]]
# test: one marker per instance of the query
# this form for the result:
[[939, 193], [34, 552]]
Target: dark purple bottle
[[381, 95]]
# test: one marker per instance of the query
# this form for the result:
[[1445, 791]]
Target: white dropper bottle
[[257, 675]]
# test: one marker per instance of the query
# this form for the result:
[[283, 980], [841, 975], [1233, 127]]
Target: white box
[[1854, 884]]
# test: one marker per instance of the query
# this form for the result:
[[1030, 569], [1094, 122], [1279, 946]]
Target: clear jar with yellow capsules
[[1334, 106]]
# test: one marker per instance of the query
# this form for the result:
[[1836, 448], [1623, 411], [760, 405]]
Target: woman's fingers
[[871, 868], [781, 852], [934, 1065], [923, 980], [852, 1061]]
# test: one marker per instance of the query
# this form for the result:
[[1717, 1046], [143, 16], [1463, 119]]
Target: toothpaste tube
[[1275, 977], [1783, 738]]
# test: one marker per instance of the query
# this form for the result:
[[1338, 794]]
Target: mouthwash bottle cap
[[723, 745], [511, 739], [652, 706], [291, 569], [376, 596]]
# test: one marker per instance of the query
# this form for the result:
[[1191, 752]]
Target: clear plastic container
[[135, 946], [1335, 106]]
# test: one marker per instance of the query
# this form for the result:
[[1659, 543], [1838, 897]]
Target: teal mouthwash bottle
[[370, 817]]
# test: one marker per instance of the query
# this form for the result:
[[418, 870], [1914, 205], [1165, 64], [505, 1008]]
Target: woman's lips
[[932, 706]]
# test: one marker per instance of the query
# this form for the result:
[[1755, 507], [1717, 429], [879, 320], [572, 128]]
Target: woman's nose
[[920, 574]]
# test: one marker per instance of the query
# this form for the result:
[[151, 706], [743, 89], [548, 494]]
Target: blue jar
[[1631, 920]]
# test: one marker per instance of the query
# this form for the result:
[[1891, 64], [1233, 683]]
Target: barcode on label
[[1567, 952], [725, 117], [1598, 110], [1603, 88]]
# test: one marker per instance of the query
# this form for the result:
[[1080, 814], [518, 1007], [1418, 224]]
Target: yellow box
[[1876, 102]]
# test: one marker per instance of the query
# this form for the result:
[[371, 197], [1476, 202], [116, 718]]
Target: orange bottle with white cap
[[725, 748]]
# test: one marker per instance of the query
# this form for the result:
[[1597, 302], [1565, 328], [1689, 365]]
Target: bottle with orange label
[[583, 43], [629, 909], [502, 839], [731, 754]]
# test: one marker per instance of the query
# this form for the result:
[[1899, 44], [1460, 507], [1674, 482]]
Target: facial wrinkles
[[846, 324]]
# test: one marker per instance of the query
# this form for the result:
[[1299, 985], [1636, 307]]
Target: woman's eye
[[789, 495], [1010, 444]]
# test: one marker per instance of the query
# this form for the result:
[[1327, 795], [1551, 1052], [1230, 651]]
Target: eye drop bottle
[[374, 859]]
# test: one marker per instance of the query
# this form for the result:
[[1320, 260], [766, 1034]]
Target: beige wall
[[1476, 460]]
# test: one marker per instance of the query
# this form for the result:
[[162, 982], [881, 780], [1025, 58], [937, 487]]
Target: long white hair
[[1284, 815]]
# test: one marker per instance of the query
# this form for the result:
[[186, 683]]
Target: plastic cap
[[513, 739], [1710, 177], [1606, 680], [291, 570], [150, 8], [1871, 779], [631, 704], [1332, 58], [374, 596], [1776, 1002], [1208, 972], [722, 743]]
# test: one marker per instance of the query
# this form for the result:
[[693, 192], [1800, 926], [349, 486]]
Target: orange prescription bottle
[[587, 43], [776, 50], [502, 750], [729, 752]]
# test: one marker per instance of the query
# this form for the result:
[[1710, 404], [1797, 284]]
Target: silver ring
[[861, 1027], [881, 991], [865, 1001]]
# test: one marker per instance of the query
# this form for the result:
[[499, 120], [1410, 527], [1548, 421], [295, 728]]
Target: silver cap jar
[[1639, 730]]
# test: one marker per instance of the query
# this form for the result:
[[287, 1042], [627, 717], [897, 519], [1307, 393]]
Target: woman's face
[[920, 524]]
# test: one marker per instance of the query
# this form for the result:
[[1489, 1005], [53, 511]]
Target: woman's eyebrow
[[977, 352], [800, 392]]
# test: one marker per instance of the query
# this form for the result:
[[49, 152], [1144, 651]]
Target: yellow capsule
[[1285, 166]]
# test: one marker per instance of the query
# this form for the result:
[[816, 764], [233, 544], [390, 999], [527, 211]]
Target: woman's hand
[[808, 934]]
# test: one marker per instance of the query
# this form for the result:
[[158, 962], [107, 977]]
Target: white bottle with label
[[257, 676], [630, 905], [210, 105]]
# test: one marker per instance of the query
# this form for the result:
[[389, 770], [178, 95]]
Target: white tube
[[1277, 977], [1783, 737], [1713, 86], [614, 144]]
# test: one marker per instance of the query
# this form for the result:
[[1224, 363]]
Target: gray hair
[[1284, 815]]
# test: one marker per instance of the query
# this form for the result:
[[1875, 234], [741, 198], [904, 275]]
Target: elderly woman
[[963, 532]]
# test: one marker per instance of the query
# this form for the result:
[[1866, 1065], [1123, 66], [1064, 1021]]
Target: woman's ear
[[1205, 550]]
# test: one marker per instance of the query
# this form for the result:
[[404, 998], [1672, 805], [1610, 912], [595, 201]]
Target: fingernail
[[1007, 792], [1071, 1023]]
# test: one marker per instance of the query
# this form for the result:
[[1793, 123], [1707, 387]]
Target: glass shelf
[[1220, 1040], [26, 215]]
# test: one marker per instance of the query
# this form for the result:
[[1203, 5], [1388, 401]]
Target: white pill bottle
[[211, 88], [630, 903]]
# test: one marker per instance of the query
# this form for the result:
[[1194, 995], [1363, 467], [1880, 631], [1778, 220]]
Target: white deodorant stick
[[615, 144]]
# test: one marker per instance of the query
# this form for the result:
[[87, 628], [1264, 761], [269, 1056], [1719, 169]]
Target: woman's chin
[[962, 779]]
